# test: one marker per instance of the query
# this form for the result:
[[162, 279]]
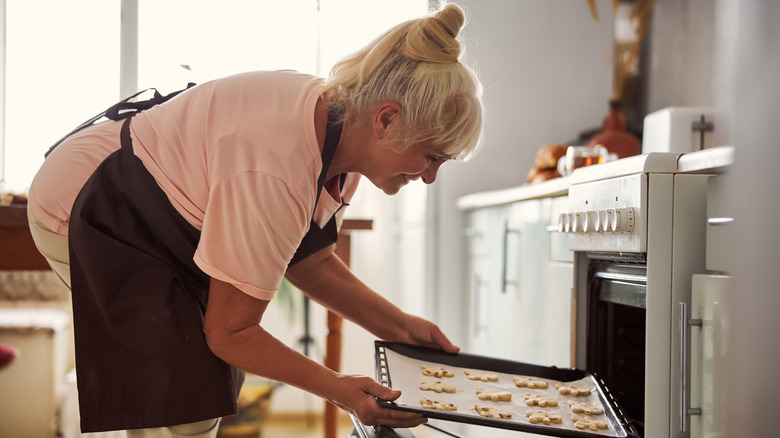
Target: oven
[[432, 429], [637, 227]]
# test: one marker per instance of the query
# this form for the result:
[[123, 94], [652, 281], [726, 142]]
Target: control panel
[[607, 215], [609, 220]]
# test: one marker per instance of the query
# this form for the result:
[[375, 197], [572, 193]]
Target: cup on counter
[[581, 156]]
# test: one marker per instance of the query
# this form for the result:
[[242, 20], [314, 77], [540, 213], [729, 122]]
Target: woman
[[175, 227]]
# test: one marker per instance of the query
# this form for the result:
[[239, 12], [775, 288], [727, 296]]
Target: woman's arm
[[326, 279], [234, 334]]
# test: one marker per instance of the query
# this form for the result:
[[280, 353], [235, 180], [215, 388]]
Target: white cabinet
[[520, 280], [520, 275], [485, 251]]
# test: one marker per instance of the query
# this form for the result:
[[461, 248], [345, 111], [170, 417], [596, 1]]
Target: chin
[[391, 190], [390, 186]]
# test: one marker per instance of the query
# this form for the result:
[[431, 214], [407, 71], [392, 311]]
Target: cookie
[[436, 386], [490, 412], [540, 400], [493, 395], [587, 423], [527, 382], [484, 376], [543, 417], [583, 408], [436, 371], [571, 390], [437, 405]]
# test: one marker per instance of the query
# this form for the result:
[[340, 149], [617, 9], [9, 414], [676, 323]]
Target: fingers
[[443, 342], [400, 419], [383, 392], [371, 413], [428, 334], [379, 416]]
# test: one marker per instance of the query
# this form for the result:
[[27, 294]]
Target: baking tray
[[399, 367]]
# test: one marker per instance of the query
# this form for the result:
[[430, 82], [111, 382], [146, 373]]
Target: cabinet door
[[708, 352], [519, 299], [558, 319], [485, 251], [541, 309]]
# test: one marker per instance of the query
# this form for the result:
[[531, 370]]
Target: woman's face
[[394, 169], [390, 168]]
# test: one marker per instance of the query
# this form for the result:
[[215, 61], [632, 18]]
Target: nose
[[429, 174]]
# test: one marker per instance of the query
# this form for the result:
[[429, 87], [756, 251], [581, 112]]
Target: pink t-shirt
[[238, 157]]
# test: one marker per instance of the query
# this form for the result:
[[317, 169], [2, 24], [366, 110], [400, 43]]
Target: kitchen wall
[[546, 69], [753, 348]]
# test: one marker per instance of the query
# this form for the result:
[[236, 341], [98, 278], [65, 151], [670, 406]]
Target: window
[[62, 57], [61, 68]]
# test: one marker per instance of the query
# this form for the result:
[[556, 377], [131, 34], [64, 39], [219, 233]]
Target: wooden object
[[17, 249], [335, 322]]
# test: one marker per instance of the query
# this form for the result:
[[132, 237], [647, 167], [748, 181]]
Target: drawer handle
[[717, 221]]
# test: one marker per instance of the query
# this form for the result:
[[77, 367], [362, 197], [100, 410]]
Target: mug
[[581, 156]]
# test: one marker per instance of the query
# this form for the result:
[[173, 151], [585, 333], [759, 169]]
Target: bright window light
[[62, 57]]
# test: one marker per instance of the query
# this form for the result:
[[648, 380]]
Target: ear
[[387, 115]]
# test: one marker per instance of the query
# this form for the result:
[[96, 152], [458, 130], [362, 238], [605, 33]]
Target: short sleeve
[[252, 226]]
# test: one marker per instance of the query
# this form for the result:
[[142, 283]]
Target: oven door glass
[[616, 332]]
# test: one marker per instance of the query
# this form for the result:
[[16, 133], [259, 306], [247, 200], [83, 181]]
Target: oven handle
[[478, 325], [504, 268], [719, 221], [685, 323]]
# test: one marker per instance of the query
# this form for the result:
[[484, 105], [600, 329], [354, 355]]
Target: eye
[[433, 158]]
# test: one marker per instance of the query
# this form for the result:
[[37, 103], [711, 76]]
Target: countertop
[[712, 160], [17, 250]]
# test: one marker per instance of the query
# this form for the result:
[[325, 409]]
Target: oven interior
[[617, 290]]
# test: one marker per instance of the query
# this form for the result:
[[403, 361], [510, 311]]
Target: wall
[[754, 351], [546, 69]]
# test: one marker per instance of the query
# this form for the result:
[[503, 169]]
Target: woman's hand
[[357, 395], [419, 331]]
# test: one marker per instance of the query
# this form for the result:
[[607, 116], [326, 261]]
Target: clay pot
[[614, 136]]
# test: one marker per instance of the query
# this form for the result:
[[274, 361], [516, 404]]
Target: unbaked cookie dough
[[570, 390], [527, 382], [436, 371], [484, 376], [491, 412], [437, 405], [436, 386], [493, 395], [543, 417]]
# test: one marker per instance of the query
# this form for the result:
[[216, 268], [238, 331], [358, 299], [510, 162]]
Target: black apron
[[139, 301]]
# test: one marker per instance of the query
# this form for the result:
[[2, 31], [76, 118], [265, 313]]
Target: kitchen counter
[[17, 250], [547, 189], [712, 160]]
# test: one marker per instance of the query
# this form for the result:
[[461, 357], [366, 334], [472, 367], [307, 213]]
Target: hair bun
[[434, 39], [451, 19]]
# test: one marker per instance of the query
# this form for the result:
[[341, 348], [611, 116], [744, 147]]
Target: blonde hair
[[417, 64]]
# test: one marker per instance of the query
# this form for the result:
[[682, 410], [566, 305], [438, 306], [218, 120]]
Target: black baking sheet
[[387, 352]]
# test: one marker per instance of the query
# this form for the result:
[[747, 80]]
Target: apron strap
[[124, 109], [124, 136], [332, 136]]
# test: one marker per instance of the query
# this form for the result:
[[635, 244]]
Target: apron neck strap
[[332, 136]]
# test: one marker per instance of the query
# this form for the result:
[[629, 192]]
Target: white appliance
[[638, 227], [684, 129]]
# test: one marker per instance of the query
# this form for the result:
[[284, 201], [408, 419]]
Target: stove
[[638, 228]]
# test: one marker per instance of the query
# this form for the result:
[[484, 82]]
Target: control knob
[[623, 220]]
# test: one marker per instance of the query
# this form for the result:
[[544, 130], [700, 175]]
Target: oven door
[[616, 332], [428, 430]]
